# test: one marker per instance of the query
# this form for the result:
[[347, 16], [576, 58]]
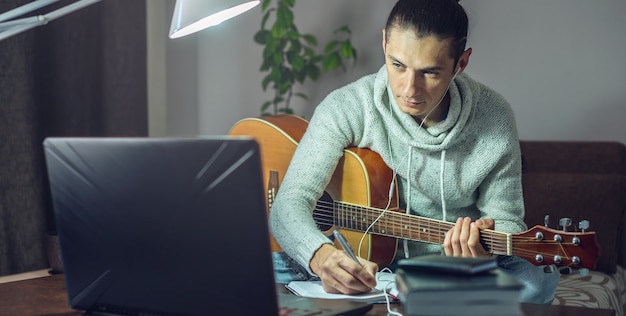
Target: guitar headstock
[[542, 245]]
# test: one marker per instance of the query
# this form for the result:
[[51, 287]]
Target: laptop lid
[[162, 226]]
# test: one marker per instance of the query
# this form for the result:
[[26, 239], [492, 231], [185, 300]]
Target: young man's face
[[419, 72]]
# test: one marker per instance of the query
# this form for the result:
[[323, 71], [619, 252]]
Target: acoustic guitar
[[358, 194]]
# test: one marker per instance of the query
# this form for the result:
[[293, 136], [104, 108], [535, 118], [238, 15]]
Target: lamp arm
[[26, 22], [69, 9], [27, 8], [11, 28]]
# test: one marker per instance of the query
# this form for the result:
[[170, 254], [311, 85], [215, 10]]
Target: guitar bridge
[[272, 188]]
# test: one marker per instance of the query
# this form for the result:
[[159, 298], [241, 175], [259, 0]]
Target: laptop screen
[[162, 225]]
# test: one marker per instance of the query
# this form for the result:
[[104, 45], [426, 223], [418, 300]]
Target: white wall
[[557, 62]]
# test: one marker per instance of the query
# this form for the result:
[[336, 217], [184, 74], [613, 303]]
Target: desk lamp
[[189, 15], [194, 15], [9, 27]]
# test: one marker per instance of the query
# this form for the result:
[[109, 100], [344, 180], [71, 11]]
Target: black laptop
[[167, 226]]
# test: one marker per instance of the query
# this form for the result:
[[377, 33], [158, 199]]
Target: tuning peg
[[565, 222], [565, 270], [583, 225], [546, 221], [570, 270]]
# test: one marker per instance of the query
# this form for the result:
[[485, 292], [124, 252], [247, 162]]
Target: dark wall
[[83, 74]]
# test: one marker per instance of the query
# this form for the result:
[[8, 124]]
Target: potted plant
[[290, 57]]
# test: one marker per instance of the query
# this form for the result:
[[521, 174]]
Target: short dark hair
[[440, 18]]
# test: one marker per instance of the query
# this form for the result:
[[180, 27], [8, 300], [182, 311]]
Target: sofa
[[582, 180]]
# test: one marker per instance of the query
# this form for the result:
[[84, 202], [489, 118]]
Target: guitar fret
[[507, 249], [363, 218]]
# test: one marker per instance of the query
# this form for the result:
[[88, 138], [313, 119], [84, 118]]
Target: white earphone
[[455, 74]]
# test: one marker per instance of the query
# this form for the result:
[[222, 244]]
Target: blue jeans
[[539, 286]]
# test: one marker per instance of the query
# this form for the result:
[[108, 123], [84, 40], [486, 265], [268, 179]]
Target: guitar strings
[[428, 230], [396, 221]]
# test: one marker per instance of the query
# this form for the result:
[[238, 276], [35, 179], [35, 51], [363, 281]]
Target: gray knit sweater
[[475, 150]]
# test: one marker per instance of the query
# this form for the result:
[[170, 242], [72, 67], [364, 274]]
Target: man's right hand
[[340, 273]]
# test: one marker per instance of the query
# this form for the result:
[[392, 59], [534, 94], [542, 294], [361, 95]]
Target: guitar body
[[361, 177]]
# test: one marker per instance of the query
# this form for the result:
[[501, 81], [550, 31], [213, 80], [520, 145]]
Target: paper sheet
[[386, 284]]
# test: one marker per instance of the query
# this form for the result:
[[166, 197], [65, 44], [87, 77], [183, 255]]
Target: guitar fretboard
[[411, 227]]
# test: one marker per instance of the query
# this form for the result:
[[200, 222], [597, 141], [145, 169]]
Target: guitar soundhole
[[323, 219]]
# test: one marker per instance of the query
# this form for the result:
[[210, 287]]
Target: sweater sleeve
[[309, 172], [500, 194]]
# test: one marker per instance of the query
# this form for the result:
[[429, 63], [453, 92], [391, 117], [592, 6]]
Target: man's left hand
[[463, 240]]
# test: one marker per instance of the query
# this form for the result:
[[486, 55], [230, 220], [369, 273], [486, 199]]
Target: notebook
[[437, 263], [167, 226]]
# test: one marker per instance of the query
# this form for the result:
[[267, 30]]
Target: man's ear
[[464, 59]]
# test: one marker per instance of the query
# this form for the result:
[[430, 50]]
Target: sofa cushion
[[597, 290], [599, 198]]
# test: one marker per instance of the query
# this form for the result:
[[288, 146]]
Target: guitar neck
[[411, 227]]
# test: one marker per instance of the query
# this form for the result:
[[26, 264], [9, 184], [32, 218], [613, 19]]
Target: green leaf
[[296, 61], [264, 20], [267, 63], [330, 46], [313, 72], [261, 36], [265, 4], [331, 62], [300, 75], [268, 51], [309, 52], [284, 15], [265, 105], [292, 35], [303, 74], [290, 3], [275, 75], [310, 39], [284, 87], [279, 45], [278, 30], [278, 59], [285, 79], [354, 57], [346, 49], [296, 47]]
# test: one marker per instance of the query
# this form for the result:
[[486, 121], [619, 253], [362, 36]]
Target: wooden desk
[[45, 296]]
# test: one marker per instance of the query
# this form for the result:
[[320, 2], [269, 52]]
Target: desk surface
[[45, 296]]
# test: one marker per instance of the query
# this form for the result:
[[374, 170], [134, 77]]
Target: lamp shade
[[194, 15]]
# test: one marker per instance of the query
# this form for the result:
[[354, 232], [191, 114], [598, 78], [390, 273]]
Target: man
[[451, 142]]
